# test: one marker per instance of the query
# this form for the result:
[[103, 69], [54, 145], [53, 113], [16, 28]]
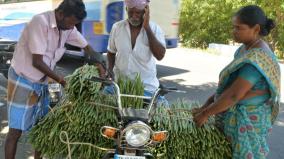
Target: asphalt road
[[189, 70]]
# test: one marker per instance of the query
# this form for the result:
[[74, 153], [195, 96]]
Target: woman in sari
[[246, 101]]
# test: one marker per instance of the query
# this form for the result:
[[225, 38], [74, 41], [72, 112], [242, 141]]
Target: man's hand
[[101, 69], [62, 81], [92, 56], [156, 47], [38, 63], [111, 63], [146, 17], [110, 75]]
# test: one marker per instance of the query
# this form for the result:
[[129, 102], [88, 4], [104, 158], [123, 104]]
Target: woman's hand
[[196, 111], [200, 118]]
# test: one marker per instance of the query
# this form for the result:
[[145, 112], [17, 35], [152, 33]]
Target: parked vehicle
[[6, 53], [101, 15]]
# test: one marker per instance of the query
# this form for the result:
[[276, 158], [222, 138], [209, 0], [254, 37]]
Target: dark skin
[[63, 23], [142, 17], [40, 65], [240, 88]]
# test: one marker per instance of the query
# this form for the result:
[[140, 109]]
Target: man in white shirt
[[135, 44], [40, 47]]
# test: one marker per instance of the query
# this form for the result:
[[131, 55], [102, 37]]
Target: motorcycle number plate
[[128, 157]]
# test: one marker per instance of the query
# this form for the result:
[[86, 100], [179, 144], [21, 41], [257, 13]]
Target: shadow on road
[[197, 93], [163, 71]]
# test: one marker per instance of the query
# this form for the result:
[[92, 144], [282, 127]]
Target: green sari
[[247, 124]]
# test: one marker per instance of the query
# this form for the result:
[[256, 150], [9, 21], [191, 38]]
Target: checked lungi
[[27, 101]]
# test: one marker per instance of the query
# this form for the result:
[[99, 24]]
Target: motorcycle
[[134, 133]]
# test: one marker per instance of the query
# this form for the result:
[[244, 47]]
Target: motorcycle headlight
[[137, 134]]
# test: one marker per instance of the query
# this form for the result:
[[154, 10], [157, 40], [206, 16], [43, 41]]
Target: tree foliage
[[209, 21]]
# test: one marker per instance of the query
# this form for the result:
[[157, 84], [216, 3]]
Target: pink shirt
[[41, 36]]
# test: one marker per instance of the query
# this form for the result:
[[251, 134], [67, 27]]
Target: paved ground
[[189, 70]]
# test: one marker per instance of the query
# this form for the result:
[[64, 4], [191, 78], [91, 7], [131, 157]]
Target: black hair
[[252, 15], [73, 8]]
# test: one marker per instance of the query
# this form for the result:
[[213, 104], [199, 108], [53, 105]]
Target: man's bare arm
[[97, 58], [41, 66], [155, 46], [111, 62]]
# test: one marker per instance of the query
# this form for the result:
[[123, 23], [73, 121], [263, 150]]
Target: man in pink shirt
[[40, 47]]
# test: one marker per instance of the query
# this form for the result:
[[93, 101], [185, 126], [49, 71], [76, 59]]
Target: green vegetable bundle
[[132, 87], [82, 122], [81, 115], [186, 140], [79, 85]]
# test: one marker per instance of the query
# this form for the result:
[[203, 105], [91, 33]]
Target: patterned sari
[[247, 124]]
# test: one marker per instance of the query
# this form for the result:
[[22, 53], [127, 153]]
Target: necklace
[[253, 44]]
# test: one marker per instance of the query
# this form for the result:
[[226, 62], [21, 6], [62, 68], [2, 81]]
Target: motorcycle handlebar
[[102, 80], [164, 90], [99, 79], [159, 92]]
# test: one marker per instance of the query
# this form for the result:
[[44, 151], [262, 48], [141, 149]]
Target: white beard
[[134, 23]]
